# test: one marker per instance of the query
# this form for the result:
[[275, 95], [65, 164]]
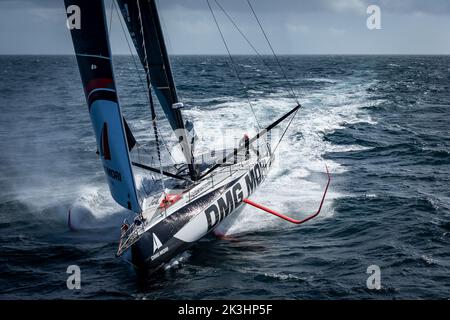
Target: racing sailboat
[[195, 195]]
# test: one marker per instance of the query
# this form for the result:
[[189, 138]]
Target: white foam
[[283, 277], [296, 183], [97, 200], [95, 209], [327, 80], [177, 261], [294, 186]]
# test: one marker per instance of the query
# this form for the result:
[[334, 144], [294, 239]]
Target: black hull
[[177, 232], [142, 252]]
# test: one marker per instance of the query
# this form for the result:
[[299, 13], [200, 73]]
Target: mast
[[91, 43], [142, 20]]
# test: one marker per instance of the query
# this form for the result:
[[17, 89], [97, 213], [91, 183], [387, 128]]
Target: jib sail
[[114, 139], [142, 20]]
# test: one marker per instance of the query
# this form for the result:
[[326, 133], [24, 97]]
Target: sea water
[[380, 124]]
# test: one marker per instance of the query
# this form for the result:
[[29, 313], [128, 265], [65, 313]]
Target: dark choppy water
[[380, 123]]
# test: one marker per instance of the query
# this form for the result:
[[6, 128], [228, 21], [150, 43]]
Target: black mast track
[[250, 141]]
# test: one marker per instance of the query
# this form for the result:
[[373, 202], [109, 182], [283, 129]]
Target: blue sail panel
[[113, 149], [114, 139]]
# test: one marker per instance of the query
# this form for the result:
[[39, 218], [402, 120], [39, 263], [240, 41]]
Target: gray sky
[[293, 26]]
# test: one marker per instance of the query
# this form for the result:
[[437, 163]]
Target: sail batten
[[112, 133]]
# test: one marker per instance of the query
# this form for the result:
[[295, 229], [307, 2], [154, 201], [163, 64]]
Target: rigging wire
[[273, 52], [285, 130], [294, 96], [243, 35], [259, 55], [236, 70], [139, 73], [111, 16], [233, 64], [147, 71], [131, 51], [168, 41], [143, 184]]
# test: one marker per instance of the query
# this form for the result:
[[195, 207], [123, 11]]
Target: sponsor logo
[[113, 174], [156, 246], [227, 203], [254, 178], [159, 253], [156, 243]]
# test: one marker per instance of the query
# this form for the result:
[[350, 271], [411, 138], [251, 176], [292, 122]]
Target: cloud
[[298, 28], [314, 6], [337, 31], [282, 6], [293, 26], [438, 7], [355, 6], [435, 7], [8, 4]]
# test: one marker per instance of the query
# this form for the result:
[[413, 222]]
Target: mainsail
[[114, 139], [142, 20]]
